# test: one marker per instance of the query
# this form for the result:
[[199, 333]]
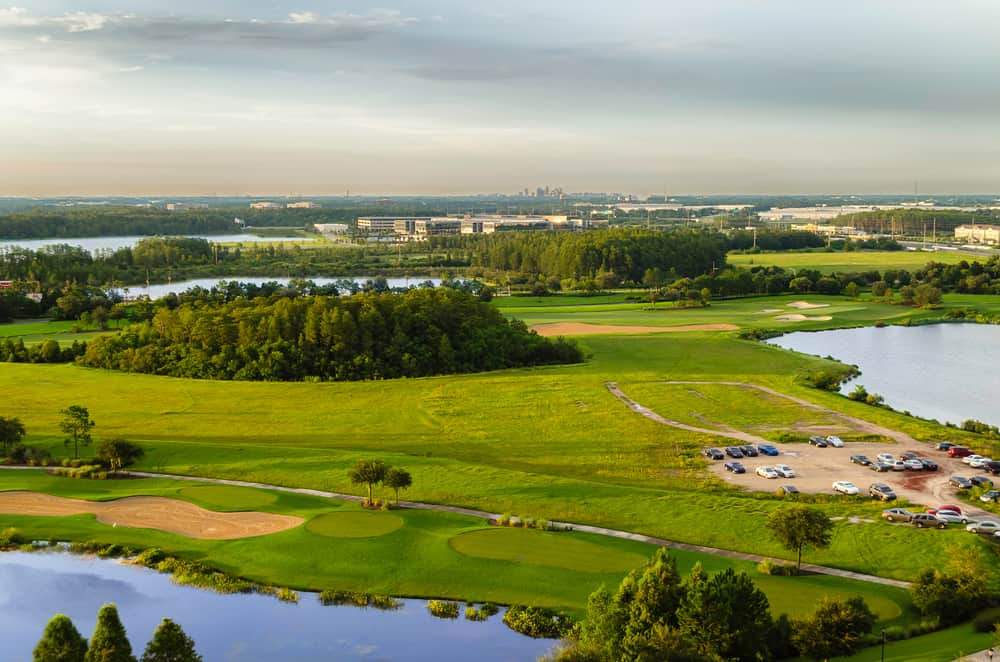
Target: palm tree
[[398, 479], [368, 472]]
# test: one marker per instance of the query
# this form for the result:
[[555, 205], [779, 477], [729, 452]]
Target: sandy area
[[796, 317], [171, 515], [805, 305], [769, 310], [583, 329]]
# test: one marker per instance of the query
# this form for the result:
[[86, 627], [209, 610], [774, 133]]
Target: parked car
[[881, 491], [880, 466], [913, 465], [961, 482], [969, 459], [784, 471], [886, 458], [818, 442], [959, 451], [861, 459], [735, 467], [767, 472], [992, 467], [734, 452], [992, 495], [787, 490], [898, 465], [980, 462], [908, 455], [981, 481], [945, 507], [748, 451], [767, 449], [845, 487], [951, 517], [926, 520], [944, 445], [714, 454], [986, 526], [929, 465], [897, 514], [835, 441]]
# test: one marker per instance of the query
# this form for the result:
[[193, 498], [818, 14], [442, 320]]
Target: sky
[[233, 97]]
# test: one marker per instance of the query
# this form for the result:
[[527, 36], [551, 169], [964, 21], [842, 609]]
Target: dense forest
[[367, 336]]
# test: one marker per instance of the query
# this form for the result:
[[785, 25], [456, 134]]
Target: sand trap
[[583, 329], [144, 512], [802, 318], [805, 305], [768, 310]]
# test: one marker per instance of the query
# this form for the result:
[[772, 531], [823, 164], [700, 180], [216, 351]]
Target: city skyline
[[434, 97]]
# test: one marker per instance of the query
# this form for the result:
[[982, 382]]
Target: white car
[[845, 487], [898, 465], [886, 458], [968, 459], [835, 441], [784, 471], [767, 472], [986, 526], [913, 465], [951, 517], [979, 462]]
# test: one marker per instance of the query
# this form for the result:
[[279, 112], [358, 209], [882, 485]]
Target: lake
[[35, 586], [93, 244], [942, 371], [157, 291]]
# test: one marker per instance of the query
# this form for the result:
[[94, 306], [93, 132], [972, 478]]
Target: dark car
[[767, 449], [748, 451], [961, 482], [944, 445], [993, 467], [923, 520], [881, 491], [861, 459], [929, 465], [959, 451], [981, 481], [992, 495], [880, 466], [714, 454], [734, 452], [818, 442], [735, 467], [786, 490], [909, 455]]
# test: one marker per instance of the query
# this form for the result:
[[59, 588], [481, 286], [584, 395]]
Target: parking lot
[[816, 470]]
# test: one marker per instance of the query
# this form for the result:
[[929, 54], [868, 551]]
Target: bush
[[443, 608], [385, 602], [768, 567], [504, 519], [473, 614], [987, 620], [542, 524], [287, 595], [537, 622], [11, 537]]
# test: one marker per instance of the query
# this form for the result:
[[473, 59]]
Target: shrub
[[768, 567], [542, 524], [473, 614], [330, 597], [150, 558], [443, 608], [504, 519], [286, 594], [10, 537], [537, 622], [489, 609], [987, 620], [385, 602]]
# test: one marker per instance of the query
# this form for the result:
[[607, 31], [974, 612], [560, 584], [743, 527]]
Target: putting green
[[354, 525], [559, 550], [228, 497]]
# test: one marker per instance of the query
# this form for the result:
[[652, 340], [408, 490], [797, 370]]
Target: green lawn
[[32, 332], [847, 262], [943, 646]]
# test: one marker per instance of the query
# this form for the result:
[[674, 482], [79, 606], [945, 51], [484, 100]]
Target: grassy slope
[[847, 262]]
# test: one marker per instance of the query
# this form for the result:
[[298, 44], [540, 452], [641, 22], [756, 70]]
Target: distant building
[[185, 206], [304, 204], [420, 228], [331, 228], [265, 205], [978, 234], [384, 224]]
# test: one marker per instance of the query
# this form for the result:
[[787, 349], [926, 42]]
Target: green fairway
[[828, 262], [543, 548], [354, 525], [36, 331], [222, 497], [943, 646]]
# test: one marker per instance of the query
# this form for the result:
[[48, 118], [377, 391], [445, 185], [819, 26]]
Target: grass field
[[36, 331], [847, 262]]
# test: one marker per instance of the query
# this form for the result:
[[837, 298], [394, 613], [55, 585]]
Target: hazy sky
[[460, 96]]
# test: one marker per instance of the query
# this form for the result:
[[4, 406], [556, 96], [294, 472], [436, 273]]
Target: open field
[[36, 331], [445, 555], [847, 262]]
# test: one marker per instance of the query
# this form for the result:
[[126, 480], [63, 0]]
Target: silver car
[[986, 526], [951, 517]]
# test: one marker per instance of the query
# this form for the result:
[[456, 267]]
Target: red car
[[959, 451], [954, 509]]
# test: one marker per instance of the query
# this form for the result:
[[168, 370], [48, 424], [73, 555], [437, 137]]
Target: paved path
[[612, 533], [981, 656]]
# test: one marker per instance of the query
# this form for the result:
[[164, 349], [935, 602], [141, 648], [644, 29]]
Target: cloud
[[19, 17]]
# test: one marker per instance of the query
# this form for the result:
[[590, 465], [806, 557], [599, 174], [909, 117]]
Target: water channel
[[93, 244], [34, 586]]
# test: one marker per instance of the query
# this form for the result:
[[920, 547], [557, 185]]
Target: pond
[[942, 371], [157, 291], [93, 244], [35, 586]]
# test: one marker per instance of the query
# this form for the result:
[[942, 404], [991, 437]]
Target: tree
[[797, 527], [109, 642], [368, 472], [835, 628], [170, 644], [398, 479], [117, 453], [851, 290], [11, 432], [76, 426], [879, 288], [61, 642], [926, 296]]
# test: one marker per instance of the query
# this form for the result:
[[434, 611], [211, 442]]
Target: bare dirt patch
[[146, 512], [584, 329], [805, 305], [796, 317]]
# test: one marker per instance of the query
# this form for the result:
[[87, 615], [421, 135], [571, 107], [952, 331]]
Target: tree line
[[367, 336]]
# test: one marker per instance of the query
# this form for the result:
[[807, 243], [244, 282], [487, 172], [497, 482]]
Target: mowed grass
[[944, 646], [416, 554], [36, 331], [227, 497], [828, 262]]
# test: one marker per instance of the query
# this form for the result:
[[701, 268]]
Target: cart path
[[860, 424], [585, 528]]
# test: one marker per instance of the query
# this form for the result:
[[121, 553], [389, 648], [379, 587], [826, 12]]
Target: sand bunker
[[768, 310], [583, 329], [805, 305], [144, 512], [802, 318]]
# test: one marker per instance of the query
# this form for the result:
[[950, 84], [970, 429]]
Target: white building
[[303, 204], [184, 206], [265, 205], [978, 234]]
